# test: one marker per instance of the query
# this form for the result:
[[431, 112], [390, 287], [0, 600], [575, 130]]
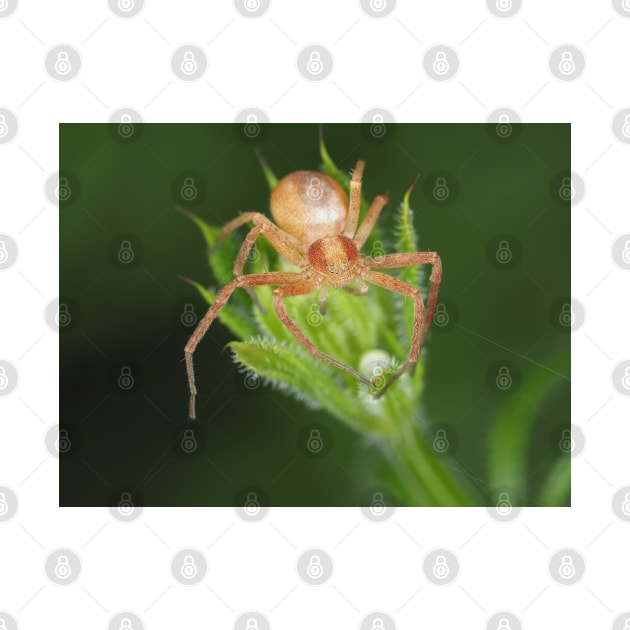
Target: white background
[[252, 63]]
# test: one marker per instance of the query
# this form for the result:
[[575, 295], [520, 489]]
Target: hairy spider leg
[[354, 207], [421, 324], [258, 279], [379, 202], [280, 240], [302, 288]]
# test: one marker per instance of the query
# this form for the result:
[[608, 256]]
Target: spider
[[316, 229]]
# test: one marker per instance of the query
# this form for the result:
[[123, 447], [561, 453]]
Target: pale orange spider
[[315, 229]]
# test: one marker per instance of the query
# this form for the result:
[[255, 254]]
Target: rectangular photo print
[[258, 315]]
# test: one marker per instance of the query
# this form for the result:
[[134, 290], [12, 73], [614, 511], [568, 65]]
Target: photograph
[[366, 314]]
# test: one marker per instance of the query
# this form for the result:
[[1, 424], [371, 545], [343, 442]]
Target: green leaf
[[556, 489], [292, 370], [406, 241], [272, 180], [509, 440]]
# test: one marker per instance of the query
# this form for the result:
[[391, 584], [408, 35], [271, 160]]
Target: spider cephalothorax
[[315, 229]]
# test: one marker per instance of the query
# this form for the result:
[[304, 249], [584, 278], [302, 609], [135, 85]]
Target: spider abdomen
[[309, 205]]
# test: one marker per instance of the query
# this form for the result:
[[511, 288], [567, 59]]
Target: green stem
[[510, 435], [438, 486], [557, 487]]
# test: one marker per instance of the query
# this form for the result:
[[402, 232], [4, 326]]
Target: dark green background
[[127, 188]]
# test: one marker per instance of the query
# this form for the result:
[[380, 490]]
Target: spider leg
[[301, 288], [257, 219], [420, 327], [275, 236], [380, 201], [355, 200], [321, 299], [259, 279], [361, 288], [416, 258], [394, 284]]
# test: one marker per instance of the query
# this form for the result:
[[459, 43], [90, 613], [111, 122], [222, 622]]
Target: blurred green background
[[123, 245]]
